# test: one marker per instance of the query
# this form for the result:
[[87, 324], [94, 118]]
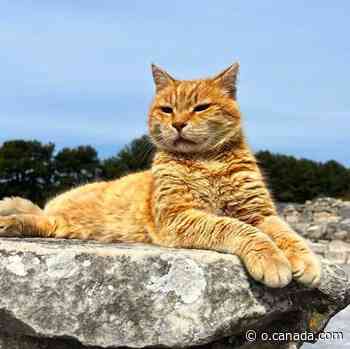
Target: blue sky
[[77, 72]]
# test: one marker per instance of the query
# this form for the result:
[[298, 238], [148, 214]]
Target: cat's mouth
[[183, 141]]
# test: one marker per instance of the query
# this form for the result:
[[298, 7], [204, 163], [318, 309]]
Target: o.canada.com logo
[[254, 336]]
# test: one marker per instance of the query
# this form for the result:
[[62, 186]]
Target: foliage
[[298, 180], [134, 157], [75, 166], [25, 169]]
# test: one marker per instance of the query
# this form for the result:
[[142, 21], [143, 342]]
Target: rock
[[345, 211], [291, 214], [316, 232], [340, 257], [300, 228], [346, 221], [331, 230], [62, 294], [319, 248], [341, 235], [322, 218], [337, 251], [345, 225], [339, 246]]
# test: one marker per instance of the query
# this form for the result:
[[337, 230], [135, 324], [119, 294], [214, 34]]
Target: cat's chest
[[212, 189]]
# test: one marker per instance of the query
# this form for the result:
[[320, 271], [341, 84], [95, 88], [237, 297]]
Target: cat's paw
[[269, 266], [10, 226], [305, 265]]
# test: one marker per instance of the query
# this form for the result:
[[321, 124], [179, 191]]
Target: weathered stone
[[316, 232], [339, 246], [341, 235], [301, 228], [338, 252], [322, 218], [62, 294], [344, 211], [345, 225], [27, 342], [338, 257], [318, 248], [346, 221], [291, 214]]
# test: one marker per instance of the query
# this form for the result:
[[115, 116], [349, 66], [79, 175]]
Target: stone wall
[[326, 223], [336, 251], [320, 219]]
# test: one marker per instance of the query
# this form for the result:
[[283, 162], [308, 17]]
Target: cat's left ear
[[227, 80], [161, 78]]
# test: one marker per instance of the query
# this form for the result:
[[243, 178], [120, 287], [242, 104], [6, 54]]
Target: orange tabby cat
[[204, 190]]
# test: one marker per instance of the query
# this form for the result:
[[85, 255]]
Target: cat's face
[[194, 116]]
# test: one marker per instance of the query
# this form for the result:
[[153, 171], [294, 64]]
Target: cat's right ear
[[161, 78], [227, 80]]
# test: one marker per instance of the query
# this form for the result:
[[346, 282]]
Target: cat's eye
[[167, 110], [201, 107]]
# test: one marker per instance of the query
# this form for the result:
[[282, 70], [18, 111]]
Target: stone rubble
[[325, 222]]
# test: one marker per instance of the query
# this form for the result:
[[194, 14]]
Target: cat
[[204, 190]]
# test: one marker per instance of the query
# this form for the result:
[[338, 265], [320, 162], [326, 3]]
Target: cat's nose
[[179, 125]]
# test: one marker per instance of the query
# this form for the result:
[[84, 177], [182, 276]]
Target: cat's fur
[[204, 190]]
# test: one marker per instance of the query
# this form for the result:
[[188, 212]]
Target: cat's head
[[194, 116]]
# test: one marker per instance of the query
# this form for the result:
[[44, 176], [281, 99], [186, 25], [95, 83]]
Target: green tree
[[75, 166], [299, 180], [136, 156], [26, 169], [335, 179]]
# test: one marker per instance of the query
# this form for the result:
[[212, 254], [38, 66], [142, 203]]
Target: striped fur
[[204, 190]]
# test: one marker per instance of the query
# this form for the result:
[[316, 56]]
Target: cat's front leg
[[196, 229], [263, 259], [304, 263]]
